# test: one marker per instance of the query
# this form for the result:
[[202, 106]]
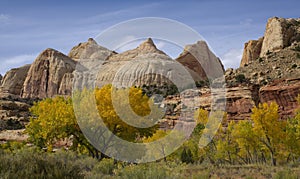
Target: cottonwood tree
[[54, 119]]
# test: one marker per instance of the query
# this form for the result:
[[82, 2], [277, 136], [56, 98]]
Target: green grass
[[33, 163]]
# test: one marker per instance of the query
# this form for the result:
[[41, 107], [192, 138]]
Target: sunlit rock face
[[46, 73], [13, 80]]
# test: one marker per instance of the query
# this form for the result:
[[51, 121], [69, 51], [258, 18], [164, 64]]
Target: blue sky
[[28, 27]]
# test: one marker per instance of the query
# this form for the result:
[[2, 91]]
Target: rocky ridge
[[279, 34], [52, 73], [270, 71]]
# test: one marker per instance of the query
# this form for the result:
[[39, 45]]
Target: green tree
[[186, 156]]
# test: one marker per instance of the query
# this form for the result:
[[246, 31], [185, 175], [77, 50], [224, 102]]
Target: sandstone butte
[[270, 67]]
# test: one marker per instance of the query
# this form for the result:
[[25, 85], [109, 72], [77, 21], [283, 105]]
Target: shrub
[[240, 78], [33, 163], [143, 171], [106, 166], [297, 48], [186, 156]]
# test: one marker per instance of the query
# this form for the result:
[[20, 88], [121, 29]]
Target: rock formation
[[13, 80], [251, 51], [200, 61], [14, 112], [279, 34], [144, 65], [270, 71], [284, 94], [89, 50], [46, 73]]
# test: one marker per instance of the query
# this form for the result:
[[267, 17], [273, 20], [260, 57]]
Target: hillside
[[270, 71]]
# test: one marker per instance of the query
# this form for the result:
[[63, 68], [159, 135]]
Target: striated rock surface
[[280, 33], [147, 47], [144, 65], [66, 84], [46, 73], [89, 50], [251, 51], [200, 61], [14, 111], [240, 101], [270, 71], [13, 80], [284, 94]]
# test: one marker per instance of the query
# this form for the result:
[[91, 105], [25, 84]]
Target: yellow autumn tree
[[54, 119], [293, 135], [116, 121], [269, 129]]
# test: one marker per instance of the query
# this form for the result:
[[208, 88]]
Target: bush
[[32, 163], [297, 48], [186, 156], [105, 166], [240, 78], [143, 171]]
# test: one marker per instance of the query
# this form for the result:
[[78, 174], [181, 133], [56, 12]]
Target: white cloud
[[232, 58], [16, 61], [4, 18]]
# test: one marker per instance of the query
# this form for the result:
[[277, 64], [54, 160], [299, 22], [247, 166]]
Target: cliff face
[[284, 94], [13, 80], [272, 63], [144, 65], [201, 62], [46, 73], [279, 34], [270, 71], [88, 50], [251, 52]]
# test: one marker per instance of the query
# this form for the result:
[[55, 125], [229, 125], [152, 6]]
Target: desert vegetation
[[263, 147]]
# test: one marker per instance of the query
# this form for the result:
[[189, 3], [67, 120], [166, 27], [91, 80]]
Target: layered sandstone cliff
[[144, 65], [279, 34], [270, 71], [13, 80], [46, 73], [201, 62], [252, 51]]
